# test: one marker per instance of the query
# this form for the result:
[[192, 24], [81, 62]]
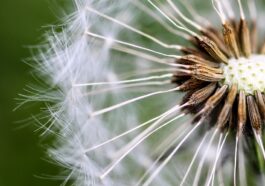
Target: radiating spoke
[[171, 21], [125, 133], [148, 133], [110, 39], [193, 159], [163, 153], [216, 159], [163, 76], [242, 165], [260, 143], [199, 169], [111, 108], [163, 164], [235, 161], [134, 29], [152, 14], [185, 18], [128, 87]]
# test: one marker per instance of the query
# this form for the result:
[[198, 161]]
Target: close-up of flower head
[[155, 92]]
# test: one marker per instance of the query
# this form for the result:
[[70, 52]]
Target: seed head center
[[247, 73]]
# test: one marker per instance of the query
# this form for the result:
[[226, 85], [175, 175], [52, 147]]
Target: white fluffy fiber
[[72, 57]]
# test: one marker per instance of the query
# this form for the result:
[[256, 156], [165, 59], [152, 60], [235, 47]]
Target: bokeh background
[[22, 24]]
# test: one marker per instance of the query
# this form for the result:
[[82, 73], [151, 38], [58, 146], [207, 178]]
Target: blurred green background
[[21, 153]]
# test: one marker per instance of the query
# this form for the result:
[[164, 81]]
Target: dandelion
[[155, 93]]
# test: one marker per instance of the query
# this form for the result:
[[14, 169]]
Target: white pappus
[[154, 92]]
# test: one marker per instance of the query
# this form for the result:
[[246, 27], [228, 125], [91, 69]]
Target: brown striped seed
[[244, 38], [226, 110], [205, 74], [193, 59], [261, 103], [213, 101], [202, 94], [230, 39], [191, 84], [254, 115], [241, 113], [212, 49]]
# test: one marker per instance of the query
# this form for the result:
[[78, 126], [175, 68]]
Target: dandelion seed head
[[144, 94]]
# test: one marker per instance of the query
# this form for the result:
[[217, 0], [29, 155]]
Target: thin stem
[[133, 29], [145, 71], [152, 14], [181, 135], [242, 15], [125, 87], [241, 165], [171, 21], [198, 172], [228, 9], [193, 159], [185, 18], [124, 133], [163, 164], [149, 57], [149, 129], [116, 162], [219, 10], [194, 13], [163, 76], [109, 39], [108, 109], [260, 143], [235, 161], [218, 148], [217, 158]]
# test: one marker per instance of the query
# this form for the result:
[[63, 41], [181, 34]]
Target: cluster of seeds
[[225, 72], [221, 74]]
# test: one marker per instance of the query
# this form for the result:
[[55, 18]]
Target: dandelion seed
[[210, 87]]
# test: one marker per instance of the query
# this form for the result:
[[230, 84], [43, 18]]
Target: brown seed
[[215, 37], [191, 84], [212, 49], [211, 69], [254, 115], [213, 101], [263, 96], [234, 24], [231, 121], [241, 113], [230, 39], [261, 103], [193, 59], [244, 38], [205, 74], [227, 108], [202, 94]]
